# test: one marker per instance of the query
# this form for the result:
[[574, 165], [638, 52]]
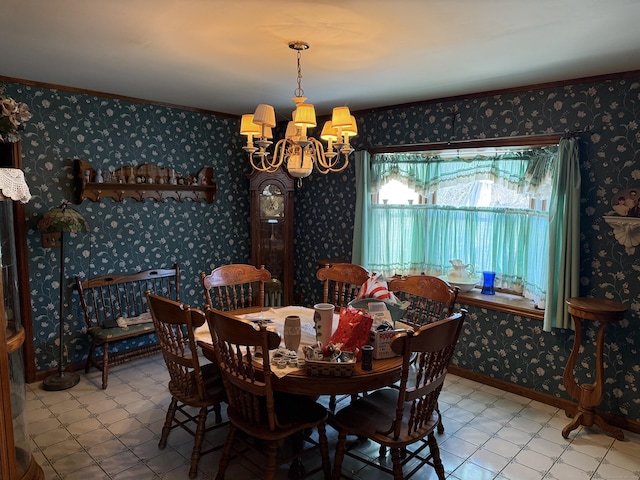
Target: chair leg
[[396, 458], [382, 451], [333, 401], [218, 412], [197, 442], [270, 467], [105, 364], [166, 429], [435, 456], [324, 450], [92, 349], [339, 456], [226, 453], [440, 425]]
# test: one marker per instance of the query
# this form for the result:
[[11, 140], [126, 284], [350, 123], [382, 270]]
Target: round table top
[[598, 309], [385, 371]]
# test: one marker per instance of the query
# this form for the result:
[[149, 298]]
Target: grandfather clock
[[272, 232]]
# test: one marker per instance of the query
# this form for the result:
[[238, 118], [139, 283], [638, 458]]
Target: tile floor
[[88, 433]]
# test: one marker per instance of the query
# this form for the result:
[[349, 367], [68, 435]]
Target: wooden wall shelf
[[149, 181]]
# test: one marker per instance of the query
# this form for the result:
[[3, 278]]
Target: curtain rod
[[533, 140]]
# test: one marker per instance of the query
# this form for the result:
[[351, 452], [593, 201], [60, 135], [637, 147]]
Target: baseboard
[[127, 356], [615, 420]]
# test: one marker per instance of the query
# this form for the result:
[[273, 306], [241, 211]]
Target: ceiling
[[229, 55]]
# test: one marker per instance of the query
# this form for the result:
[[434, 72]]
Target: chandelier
[[297, 151]]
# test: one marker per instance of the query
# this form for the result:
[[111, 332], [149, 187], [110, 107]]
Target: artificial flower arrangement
[[12, 116]]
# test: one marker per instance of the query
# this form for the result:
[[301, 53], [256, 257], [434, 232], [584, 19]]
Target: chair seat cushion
[[369, 413], [293, 413], [374, 413], [107, 334], [297, 409], [213, 381], [144, 317]]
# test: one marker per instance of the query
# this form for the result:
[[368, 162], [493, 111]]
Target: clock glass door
[[272, 241]]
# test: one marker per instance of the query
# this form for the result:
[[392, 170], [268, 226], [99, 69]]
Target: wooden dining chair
[[191, 385], [429, 299], [254, 408], [234, 286], [342, 282], [399, 417], [341, 285]]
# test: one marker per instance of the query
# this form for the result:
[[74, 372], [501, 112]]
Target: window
[[486, 207]]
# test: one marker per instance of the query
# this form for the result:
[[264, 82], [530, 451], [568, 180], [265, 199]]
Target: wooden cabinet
[[16, 460], [272, 232], [142, 182]]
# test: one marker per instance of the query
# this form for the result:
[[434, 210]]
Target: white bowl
[[463, 286]]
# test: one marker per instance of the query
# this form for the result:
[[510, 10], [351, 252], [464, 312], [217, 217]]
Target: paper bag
[[353, 329]]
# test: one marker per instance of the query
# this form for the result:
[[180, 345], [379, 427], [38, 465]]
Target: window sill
[[502, 302]]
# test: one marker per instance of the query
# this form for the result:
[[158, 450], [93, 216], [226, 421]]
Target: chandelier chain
[[299, 92]]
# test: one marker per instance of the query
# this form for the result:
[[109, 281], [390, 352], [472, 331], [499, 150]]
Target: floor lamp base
[[61, 381]]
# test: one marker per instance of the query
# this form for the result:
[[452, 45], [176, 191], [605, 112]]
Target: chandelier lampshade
[[248, 127], [328, 132], [297, 152], [265, 115], [305, 115], [352, 129], [341, 117]]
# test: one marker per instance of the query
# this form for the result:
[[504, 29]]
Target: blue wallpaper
[[132, 236]]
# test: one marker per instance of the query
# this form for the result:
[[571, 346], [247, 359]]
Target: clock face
[[271, 202]]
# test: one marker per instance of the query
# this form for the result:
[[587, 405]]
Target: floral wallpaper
[[125, 236], [132, 236], [509, 347]]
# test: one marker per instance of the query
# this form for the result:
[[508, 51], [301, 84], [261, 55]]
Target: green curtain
[[564, 236], [363, 202], [483, 237]]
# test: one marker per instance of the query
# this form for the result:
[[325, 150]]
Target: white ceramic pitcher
[[461, 271]]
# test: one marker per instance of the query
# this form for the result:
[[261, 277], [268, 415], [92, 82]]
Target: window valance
[[525, 171]]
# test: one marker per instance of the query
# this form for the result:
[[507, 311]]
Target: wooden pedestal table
[[589, 396]]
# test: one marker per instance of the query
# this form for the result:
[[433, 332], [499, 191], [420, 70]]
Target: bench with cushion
[[116, 312]]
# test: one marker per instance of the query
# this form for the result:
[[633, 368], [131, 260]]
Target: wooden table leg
[[589, 396]]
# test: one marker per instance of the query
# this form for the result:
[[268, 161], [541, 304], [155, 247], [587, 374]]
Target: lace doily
[[13, 185]]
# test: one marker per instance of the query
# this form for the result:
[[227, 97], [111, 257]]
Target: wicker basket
[[332, 369]]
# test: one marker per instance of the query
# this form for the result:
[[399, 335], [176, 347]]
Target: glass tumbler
[[488, 279]]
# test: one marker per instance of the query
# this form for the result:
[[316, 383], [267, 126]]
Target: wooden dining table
[[385, 372]]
